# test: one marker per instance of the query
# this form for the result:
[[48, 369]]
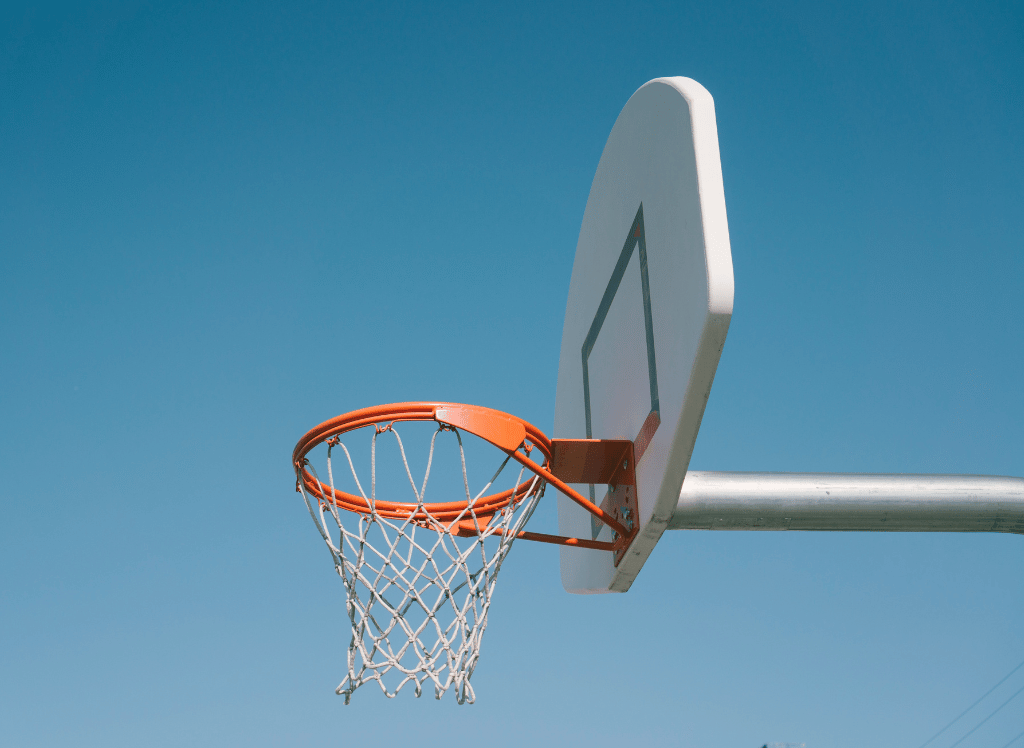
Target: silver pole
[[837, 501]]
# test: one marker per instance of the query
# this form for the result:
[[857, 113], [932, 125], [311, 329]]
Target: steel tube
[[853, 502]]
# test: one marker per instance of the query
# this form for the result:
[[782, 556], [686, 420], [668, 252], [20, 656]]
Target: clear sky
[[222, 225]]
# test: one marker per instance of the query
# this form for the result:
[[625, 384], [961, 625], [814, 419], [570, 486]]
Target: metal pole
[[837, 501]]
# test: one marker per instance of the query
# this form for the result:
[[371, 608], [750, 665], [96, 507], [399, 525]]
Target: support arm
[[861, 502]]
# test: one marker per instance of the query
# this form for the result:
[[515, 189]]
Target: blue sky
[[222, 225]]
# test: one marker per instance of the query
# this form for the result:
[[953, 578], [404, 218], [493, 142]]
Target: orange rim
[[508, 433], [514, 436]]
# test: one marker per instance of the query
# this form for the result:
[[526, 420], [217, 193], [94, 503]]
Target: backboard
[[649, 306]]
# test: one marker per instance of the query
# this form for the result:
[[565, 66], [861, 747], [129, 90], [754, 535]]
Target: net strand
[[417, 596]]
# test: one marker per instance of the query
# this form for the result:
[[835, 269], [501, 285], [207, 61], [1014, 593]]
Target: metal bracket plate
[[603, 461]]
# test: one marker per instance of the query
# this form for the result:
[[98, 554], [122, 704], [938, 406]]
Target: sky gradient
[[220, 226]]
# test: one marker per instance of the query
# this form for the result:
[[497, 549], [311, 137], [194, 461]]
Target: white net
[[417, 595]]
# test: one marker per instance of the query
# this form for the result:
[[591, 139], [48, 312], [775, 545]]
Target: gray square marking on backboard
[[635, 239]]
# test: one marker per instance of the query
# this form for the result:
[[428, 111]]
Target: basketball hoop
[[419, 575]]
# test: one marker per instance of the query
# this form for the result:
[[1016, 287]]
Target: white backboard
[[649, 306]]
